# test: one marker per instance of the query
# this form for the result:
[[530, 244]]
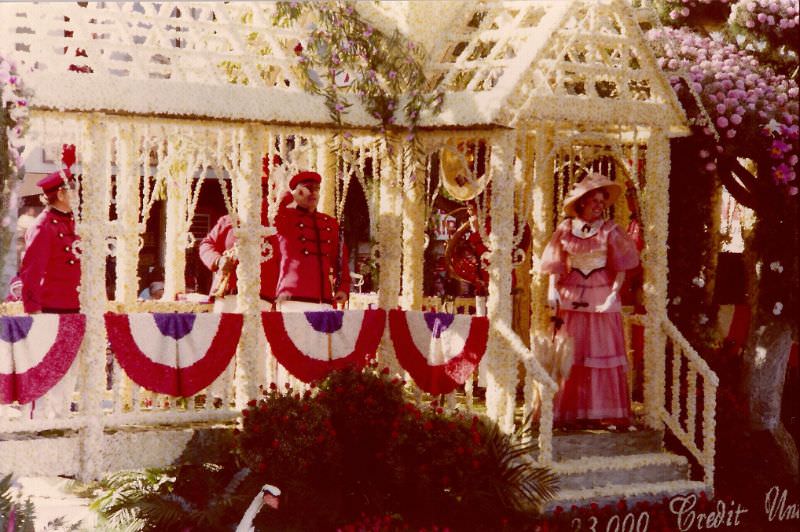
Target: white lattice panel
[[209, 43], [494, 61]]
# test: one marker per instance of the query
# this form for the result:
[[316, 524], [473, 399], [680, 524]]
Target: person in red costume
[[50, 270], [216, 252], [481, 282], [314, 271]]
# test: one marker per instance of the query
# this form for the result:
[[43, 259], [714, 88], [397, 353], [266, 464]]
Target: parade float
[[161, 100]]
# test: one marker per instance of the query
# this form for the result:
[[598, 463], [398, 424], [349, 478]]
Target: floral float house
[[160, 99]]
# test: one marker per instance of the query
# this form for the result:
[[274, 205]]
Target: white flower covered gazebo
[[166, 97]]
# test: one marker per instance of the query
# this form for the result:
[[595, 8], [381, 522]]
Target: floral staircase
[[603, 467]]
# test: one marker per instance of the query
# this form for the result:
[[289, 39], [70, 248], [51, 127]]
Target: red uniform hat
[[303, 177], [53, 181]]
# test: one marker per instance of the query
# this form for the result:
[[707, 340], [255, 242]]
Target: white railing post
[[709, 431], [705, 452]]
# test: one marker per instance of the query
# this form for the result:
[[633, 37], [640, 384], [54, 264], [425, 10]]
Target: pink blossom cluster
[[681, 9], [14, 99], [749, 104], [777, 18]]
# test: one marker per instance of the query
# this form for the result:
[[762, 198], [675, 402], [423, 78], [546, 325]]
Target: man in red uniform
[[314, 271], [50, 271], [216, 252]]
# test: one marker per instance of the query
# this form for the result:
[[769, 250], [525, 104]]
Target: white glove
[[608, 303], [553, 298]]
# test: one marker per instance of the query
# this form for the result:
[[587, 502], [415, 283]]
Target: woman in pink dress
[[586, 258]]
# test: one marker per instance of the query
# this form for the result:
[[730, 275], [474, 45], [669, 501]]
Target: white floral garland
[[127, 207], [542, 227], [413, 230]]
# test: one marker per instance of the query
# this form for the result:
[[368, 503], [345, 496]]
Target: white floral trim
[[627, 491]]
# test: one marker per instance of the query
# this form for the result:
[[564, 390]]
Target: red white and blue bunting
[[312, 344], [176, 354], [36, 352], [440, 351]]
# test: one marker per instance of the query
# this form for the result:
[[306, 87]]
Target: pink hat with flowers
[[590, 183]]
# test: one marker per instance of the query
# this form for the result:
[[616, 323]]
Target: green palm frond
[[518, 483], [24, 512]]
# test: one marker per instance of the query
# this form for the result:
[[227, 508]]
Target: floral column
[[654, 257], [127, 203], [542, 227], [390, 227], [250, 364], [413, 229], [326, 148], [502, 365], [92, 356]]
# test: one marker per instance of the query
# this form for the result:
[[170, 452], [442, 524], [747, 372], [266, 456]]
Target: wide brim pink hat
[[591, 183]]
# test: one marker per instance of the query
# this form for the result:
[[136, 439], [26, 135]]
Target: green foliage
[[205, 491], [693, 248], [395, 459], [17, 514], [14, 508], [353, 447], [345, 55]]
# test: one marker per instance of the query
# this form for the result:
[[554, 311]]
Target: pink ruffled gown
[[597, 386]]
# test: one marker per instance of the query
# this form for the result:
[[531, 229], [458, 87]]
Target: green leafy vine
[[344, 55]]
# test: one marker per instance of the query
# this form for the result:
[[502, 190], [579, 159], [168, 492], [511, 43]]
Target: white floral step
[[578, 444], [632, 493], [592, 472]]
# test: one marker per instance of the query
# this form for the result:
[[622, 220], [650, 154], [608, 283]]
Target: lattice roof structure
[[498, 63]]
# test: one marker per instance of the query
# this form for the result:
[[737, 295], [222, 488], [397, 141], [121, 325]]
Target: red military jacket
[[50, 271], [481, 283], [310, 262], [221, 239]]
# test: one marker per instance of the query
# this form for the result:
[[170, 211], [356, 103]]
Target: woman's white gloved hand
[[553, 298], [608, 303]]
